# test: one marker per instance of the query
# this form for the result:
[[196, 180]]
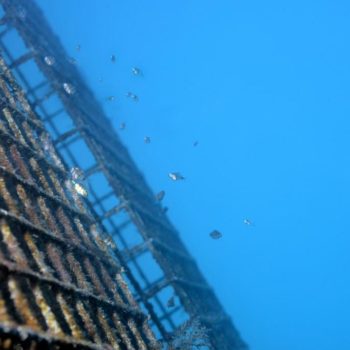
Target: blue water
[[263, 86]]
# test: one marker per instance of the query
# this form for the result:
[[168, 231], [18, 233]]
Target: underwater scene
[[174, 175]]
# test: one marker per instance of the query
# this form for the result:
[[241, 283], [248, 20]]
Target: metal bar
[[52, 198], [21, 222], [135, 251], [58, 285], [54, 114], [113, 211], [66, 135], [23, 59], [37, 87]]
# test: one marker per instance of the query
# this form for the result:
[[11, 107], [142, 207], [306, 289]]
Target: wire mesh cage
[[59, 282], [121, 215]]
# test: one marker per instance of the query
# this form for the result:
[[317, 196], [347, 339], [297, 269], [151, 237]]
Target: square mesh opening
[[78, 148], [31, 72], [14, 43]]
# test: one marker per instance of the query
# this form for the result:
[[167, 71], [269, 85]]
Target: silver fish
[[132, 96], [176, 176], [111, 98], [248, 222], [136, 71]]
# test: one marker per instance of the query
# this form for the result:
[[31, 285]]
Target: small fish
[[215, 234], [136, 71], [80, 189], [132, 96], [171, 302], [176, 176], [248, 222], [111, 98], [195, 143], [160, 196], [147, 139], [113, 58], [122, 126]]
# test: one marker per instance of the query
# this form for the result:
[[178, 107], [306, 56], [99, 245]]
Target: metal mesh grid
[[125, 206], [59, 283]]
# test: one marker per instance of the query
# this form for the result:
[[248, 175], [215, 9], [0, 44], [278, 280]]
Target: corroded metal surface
[[133, 200], [59, 282]]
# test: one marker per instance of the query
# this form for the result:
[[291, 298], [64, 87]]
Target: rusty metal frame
[[127, 185], [60, 285]]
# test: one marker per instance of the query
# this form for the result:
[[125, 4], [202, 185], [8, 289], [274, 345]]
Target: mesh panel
[[119, 197], [58, 280]]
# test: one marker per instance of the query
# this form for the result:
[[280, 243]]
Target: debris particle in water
[[136, 71], [100, 79], [147, 139], [122, 126], [111, 98], [78, 47], [113, 58], [171, 302], [132, 96], [248, 222], [215, 234], [160, 196], [69, 88], [165, 209], [176, 176], [195, 143], [49, 60]]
